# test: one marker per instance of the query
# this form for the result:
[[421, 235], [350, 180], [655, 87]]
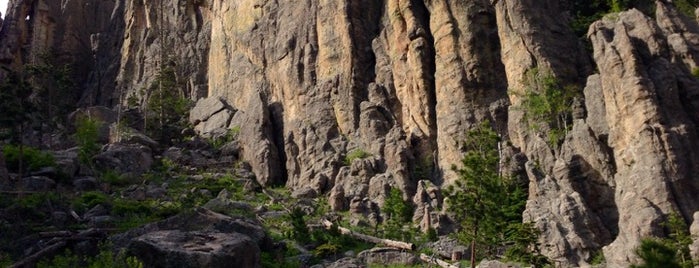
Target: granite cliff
[[308, 83]]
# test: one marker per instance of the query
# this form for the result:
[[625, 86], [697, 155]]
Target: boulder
[[446, 247], [85, 184], [387, 256], [223, 204], [496, 264], [67, 161], [347, 262], [257, 142], [133, 159], [205, 108], [37, 183], [175, 248], [211, 116], [201, 220], [121, 134]]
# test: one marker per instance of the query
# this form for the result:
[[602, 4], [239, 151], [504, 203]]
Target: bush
[[656, 253], [89, 200], [104, 259], [86, 137], [547, 105], [355, 154], [672, 251], [398, 213], [32, 159]]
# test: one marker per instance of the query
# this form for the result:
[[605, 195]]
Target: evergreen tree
[[656, 253], [487, 206], [397, 213], [167, 107]]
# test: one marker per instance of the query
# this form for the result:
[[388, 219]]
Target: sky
[[3, 7]]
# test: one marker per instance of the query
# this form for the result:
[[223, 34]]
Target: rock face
[[694, 232], [650, 110], [353, 98]]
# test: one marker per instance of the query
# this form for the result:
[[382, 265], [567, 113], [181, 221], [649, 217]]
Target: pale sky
[[3, 7]]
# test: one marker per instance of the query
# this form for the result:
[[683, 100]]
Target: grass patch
[[355, 154]]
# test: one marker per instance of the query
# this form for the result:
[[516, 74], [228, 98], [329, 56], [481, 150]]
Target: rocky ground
[[194, 204]]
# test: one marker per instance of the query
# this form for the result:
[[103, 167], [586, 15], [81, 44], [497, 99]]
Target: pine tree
[[486, 205]]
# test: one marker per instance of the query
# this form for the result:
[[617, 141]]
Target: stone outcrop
[[128, 159], [648, 100], [387, 256], [200, 220], [211, 117], [200, 238], [307, 85], [196, 249]]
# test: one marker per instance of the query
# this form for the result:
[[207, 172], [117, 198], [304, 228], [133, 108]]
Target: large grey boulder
[[211, 116], [387, 256], [257, 142], [175, 248], [67, 161], [201, 220], [133, 159]]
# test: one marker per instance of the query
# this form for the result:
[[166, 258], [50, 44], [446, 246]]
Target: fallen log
[[371, 239], [34, 258], [58, 241], [432, 260]]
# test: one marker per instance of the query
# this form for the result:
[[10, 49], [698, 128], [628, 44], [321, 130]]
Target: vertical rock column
[[467, 74], [651, 135]]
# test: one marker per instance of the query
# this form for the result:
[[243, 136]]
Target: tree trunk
[[473, 247], [372, 239]]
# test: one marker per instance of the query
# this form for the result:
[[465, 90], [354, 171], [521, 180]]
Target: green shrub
[[597, 258], [270, 260], [86, 137], [656, 253], [32, 159], [105, 259], [88, 200], [672, 251], [114, 178], [355, 154], [398, 214], [299, 231], [547, 105]]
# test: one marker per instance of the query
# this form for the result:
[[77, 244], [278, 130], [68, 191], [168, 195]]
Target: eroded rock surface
[[195, 249], [400, 82]]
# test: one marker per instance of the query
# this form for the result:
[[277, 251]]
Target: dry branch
[[58, 241], [371, 239], [34, 258]]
